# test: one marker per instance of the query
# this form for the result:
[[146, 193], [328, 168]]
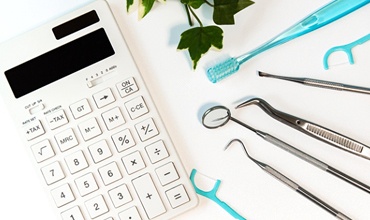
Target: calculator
[[89, 123]]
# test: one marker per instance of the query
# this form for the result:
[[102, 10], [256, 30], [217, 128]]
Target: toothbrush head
[[223, 70]]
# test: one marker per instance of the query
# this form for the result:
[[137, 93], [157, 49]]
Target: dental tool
[[323, 16], [212, 195], [319, 83], [270, 170], [314, 130], [346, 49], [218, 116]]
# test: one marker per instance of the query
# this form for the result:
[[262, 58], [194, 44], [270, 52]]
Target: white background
[[182, 95]]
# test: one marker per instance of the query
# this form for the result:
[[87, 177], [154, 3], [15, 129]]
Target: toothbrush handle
[[321, 17]]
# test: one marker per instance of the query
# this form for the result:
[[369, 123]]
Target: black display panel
[[75, 24], [59, 63]]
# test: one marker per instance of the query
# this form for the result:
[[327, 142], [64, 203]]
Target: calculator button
[[80, 108], [100, 151], [130, 214], [96, 206], [146, 129], [136, 107], [127, 87], [148, 196], [52, 173], [113, 118], [37, 108], [120, 195], [156, 151], [110, 173], [57, 119], [104, 98], [167, 173], [62, 195], [42, 150], [133, 162], [89, 129], [33, 130], [177, 196], [72, 214], [76, 162], [66, 139], [123, 140], [86, 184]]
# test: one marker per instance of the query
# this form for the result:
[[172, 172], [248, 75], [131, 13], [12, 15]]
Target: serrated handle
[[323, 84]]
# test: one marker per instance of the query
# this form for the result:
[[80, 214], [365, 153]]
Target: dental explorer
[[218, 116], [270, 170], [319, 83], [314, 130]]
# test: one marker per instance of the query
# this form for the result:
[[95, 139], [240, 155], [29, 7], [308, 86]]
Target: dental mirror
[[218, 116]]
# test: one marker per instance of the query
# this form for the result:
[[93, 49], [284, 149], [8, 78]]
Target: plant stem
[[195, 16], [188, 14]]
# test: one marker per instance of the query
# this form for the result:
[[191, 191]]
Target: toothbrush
[[323, 16]]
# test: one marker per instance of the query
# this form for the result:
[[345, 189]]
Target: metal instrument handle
[[316, 162], [333, 138], [335, 86], [281, 177], [296, 152], [322, 204]]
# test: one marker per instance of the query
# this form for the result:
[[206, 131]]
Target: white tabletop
[[182, 95]]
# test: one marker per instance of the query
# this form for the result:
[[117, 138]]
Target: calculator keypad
[[110, 155]]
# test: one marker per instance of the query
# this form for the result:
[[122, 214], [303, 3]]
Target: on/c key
[[148, 196]]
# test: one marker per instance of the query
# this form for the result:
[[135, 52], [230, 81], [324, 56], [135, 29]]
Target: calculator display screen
[[60, 62]]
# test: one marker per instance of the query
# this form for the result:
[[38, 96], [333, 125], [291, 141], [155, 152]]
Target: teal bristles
[[223, 70]]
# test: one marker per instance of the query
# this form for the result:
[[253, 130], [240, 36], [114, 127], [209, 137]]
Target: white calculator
[[89, 123]]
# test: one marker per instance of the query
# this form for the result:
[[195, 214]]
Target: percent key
[[123, 140]]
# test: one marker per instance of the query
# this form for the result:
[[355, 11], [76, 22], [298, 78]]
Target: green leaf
[[129, 3], [193, 3], [224, 10], [199, 40], [144, 7]]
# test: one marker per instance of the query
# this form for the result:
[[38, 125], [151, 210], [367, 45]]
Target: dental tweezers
[[314, 130]]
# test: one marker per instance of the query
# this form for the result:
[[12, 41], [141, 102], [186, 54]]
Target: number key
[[110, 173], [100, 151], [96, 206], [86, 184], [76, 162], [73, 214], [52, 173], [62, 195], [120, 195]]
